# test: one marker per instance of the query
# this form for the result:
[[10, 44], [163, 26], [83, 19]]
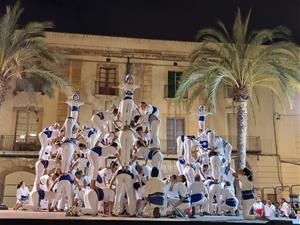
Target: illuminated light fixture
[[22, 136], [32, 135]]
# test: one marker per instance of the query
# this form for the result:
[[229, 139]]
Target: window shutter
[[171, 84]]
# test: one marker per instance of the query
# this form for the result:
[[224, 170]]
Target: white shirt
[[196, 188], [285, 209], [245, 184], [180, 189], [153, 185], [270, 210], [257, 205], [22, 191], [228, 193]]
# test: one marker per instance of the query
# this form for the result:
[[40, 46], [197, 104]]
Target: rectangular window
[[106, 81], [228, 91], [26, 134], [23, 84], [175, 127], [173, 82]]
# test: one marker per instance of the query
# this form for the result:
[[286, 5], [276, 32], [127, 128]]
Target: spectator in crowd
[[258, 206], [284, 208], [270, 209]]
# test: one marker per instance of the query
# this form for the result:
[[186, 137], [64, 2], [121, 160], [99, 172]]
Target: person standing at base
[[246, 184], [154, 192]]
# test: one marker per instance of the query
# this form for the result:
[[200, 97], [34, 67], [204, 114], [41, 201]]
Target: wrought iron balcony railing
[[19, 143]]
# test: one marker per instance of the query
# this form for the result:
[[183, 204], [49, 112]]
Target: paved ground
[[11, 214]]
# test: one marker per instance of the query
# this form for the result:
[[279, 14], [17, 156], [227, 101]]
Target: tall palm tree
[[24, 54], [244, 61]]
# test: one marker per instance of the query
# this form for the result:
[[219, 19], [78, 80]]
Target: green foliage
[[242, 60], [24, 54]]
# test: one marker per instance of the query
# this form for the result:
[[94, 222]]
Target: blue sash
[[191, 137], [248, 194], [156, 198], [88, 164], [91, 132], [41, 194], [231, 202], [196, 197], [74, 108], [97, 150], [181, 161], [24, 198], [202, 118], [126, 172], [182, 138], [99, 193], [127, 97], [45, 163], [151, 154], [227, 169], [99, 179], [48, 132], [154, 110], [66, 177], [71, 141], [212, 153]]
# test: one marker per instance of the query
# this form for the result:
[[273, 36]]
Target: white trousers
[[180, 146], [74, 114], [180, 167], [154, 130], [215, 167], [157, 161], [214, 190], [92, 140], [68, 127], [64, 187], [67, 152], [94, 160], [126, 110], [247, 205], [44, 143], [227, 208], [126, 140], [189, 174], [124, 185]]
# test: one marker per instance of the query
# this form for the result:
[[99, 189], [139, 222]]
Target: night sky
[[156, 19]]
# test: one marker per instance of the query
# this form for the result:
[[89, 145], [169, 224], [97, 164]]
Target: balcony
[[100, 90], [170, 92], [19, 143]]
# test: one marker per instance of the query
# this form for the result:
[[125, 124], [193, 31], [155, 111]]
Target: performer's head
[[202, 108], [143, 105], [129, 79], [247, 172], [75, 97]]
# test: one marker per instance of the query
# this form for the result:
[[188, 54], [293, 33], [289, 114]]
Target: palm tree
[[243, 61], [24, 54]]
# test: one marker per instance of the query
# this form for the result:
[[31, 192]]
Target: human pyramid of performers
[[98, 171]]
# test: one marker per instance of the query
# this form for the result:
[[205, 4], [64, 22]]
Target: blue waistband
[[247, 194], [181, 161], [90, 133], [128, 97], [156, 198], [24, 197], [66, 177], [204, 144], [196, 197], [99, 193], [99, 179], [74, 108], [231, 202], [45, 163], [212, 153], [202, 118], [48, 133], [125, 172], [97, 150], [151, 154], [154, 110], [71, 141]]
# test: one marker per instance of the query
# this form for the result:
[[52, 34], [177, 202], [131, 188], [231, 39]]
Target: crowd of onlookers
[[276, 209]]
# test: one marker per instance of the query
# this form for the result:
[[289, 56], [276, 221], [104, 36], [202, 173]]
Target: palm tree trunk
[[3, 89], [242, 125]]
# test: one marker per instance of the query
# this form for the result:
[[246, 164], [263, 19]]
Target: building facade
[[95, 65]]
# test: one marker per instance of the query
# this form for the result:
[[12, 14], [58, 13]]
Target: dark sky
[[158, 19]]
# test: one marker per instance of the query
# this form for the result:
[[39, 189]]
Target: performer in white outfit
[[202, 114], [198, 194], [36, 197], [154, 192], [74, 103], [68, 145], [46, 135], [91, 136], [41, 166], [22, 195], [127, 105], [214, 157], [230, 203], [154, 121], [124, 185], [103, 121], [214, 190]]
